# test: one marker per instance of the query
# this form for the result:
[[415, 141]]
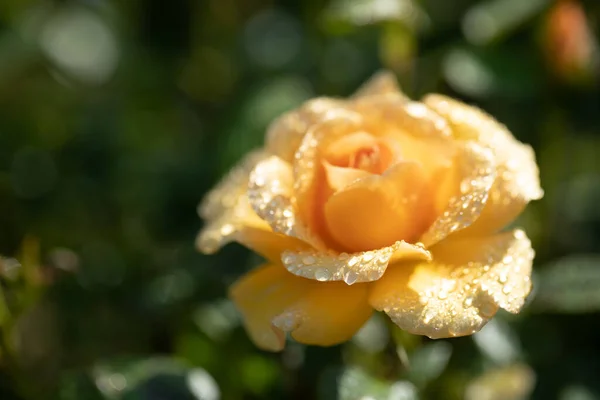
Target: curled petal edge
[[458, 292]]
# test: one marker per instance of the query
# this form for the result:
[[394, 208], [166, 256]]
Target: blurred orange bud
[[570, 46]]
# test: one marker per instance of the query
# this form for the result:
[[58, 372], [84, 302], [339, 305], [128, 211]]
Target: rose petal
[[229, 216], [273, 301], [366, 266], [240, 224], [226, 193], [517, 180], [378, 210], [418, 132], [270, 192], [310, 183], [285, 134], [411, 117], [338, 177], [458, 292], [476, 173], [380, 84]]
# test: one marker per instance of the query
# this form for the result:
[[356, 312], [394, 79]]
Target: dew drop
[[468, 302], [322, 274], [429, 315], [507, 259], [227, 229], [506, 289], [350, 277], [442, 295], [353, 261], [308, 260], [487, 309]]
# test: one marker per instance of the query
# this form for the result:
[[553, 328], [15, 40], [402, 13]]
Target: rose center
[[368, 159], [361, 151]]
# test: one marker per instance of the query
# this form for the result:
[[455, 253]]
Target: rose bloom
[[381, 203]]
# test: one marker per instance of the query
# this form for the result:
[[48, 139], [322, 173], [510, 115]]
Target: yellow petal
[[461, 289], [273, 301], [517, 180], [240, 224], [229, 217], [475, 175], [338, 177], [418, 132], [310, 183], [381, 83], [226, 193], [285, 134], [270, 192], [379, 210], [366, 266]]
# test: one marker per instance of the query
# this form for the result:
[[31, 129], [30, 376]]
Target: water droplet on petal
[[350, 277], [308, 260], [322, 274]]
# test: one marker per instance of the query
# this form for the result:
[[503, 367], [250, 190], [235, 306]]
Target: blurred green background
[[116, 117]]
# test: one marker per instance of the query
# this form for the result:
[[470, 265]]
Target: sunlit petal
[[285, 134], [379, 210], [472, 180], [382, 83], [270, 192], [366, 266], [517, 179], [461, 289], [273, 301], [229, 216]]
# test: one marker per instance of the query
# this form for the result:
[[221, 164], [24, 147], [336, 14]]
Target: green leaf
[[569, 285]]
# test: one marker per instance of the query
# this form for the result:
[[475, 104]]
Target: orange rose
[[377, 202]]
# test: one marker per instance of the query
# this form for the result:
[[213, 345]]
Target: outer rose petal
[[285, 134], [270, 192], [474, 175], [229, 216], [366, 266], [457, 293], [380, 84], [517, 180], [273, 301]]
